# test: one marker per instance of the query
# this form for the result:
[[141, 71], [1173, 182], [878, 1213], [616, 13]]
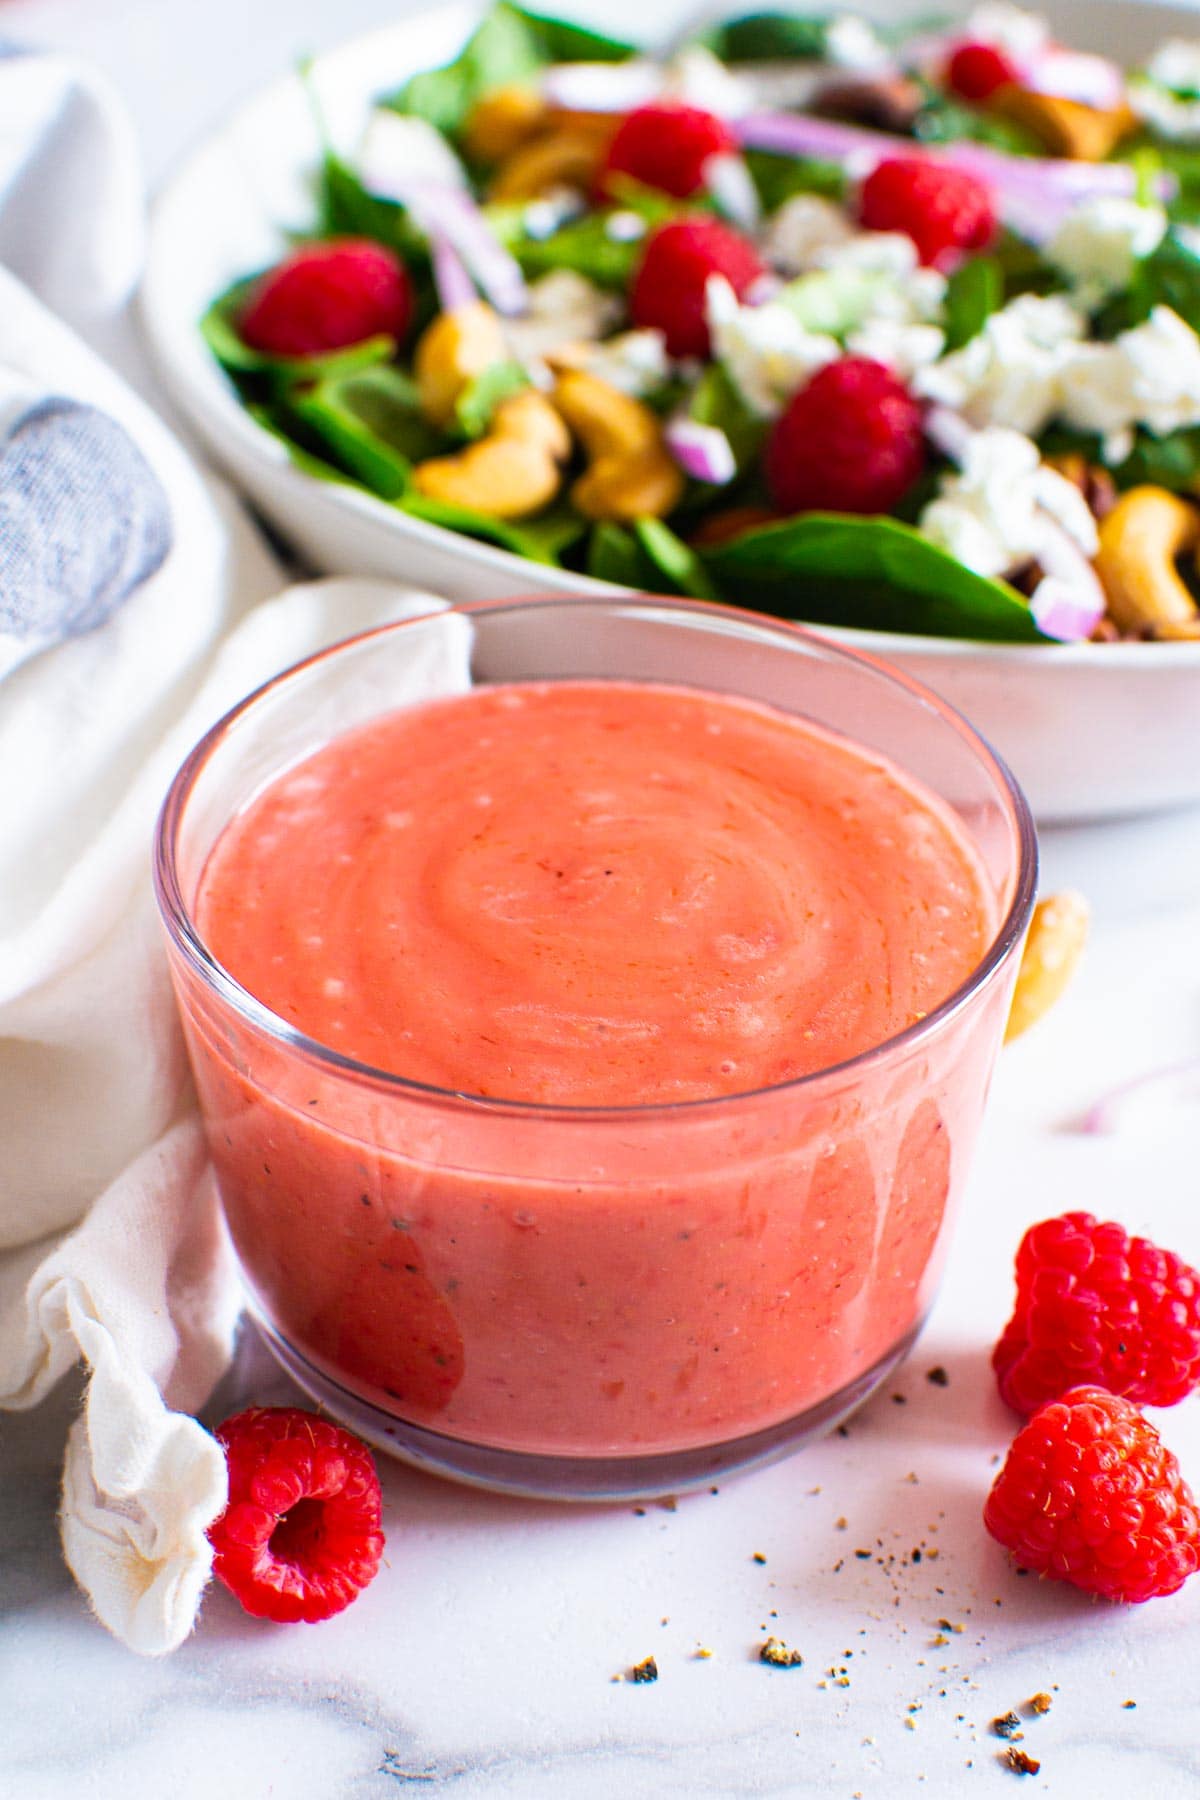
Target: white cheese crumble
[[542, 218], [901, 348], [1012, 372], [1020, 34], [563, 308], [1148, 376], [635, 362], [767, 351], [1099, 243], [698, 77], [802, 229], [1167, 95], [990, 515], [853, 43]]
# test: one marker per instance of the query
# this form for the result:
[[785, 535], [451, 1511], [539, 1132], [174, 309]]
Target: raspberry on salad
[[975, 71], [942, 209], [1090, 1494], [668, 292], [665, 145], [327, 296], [1095, 1305], [300, 1536], [849, 441]]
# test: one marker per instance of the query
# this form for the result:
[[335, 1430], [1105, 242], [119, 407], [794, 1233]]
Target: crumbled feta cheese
[[766, 350], [563, 308], [802, 229], [1167, 95], [698, 77], [1099, 243], [625, 227], [1148, 376], [400, 151], [635, 362], [910, 294], [1012, 372], [542, 218], [852, 43], [1018, 33], [1176, 65], [902, 348], [990, 515]]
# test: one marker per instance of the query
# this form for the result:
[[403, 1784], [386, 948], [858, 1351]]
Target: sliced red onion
[[1032, 193], [602, 87], [455, 289], [1178, 1081], [1063, 611], [731, 185], [702, 451], [452, 215]]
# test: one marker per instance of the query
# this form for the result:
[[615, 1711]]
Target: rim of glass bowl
[[182, 931]]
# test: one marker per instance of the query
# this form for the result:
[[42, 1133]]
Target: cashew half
[[568, 156], [1065, 127], [631, 473], [512, 472], [451, 352], [501, 121], [1057, 935], [1140, 540]]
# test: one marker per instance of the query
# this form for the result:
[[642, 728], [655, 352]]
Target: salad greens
[[1113, 246]]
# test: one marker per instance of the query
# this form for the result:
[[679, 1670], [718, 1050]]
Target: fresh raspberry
[[850, 441], [327, 296], [1090, 1494], [666, 146], [943, 209], [1094, 1304], [975, 71], [300, 1536], [669, 285]]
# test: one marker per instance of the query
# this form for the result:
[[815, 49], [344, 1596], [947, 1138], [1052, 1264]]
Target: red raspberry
[[1090, 1494], [975, 71], [944, 210], [326, 296], [850, 441], [666, 146], [300, 1536], [668, 287], [1096, 1305]]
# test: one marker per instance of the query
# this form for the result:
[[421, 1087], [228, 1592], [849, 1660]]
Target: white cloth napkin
[[134, 610]]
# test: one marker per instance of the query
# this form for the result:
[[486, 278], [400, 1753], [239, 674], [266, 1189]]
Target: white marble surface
[[481, 1660]]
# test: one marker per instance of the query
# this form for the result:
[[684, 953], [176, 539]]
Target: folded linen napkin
[[134, 610]]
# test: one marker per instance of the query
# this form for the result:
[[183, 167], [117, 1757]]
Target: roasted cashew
[[1065, 127], [1057, 935], [631, 473], [501, 121], [451, 352], [568, 156], [512, 472], [1140, 540]]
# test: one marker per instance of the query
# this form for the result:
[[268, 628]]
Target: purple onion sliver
[[455, 289], [1065, 612], [498, 273], [702, 451]]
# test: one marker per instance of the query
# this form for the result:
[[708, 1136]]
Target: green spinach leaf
[[541, 540], [768, 37], [868, 572], [479, 399], [778, 178], [615, 554], [973, 293], [674, 562]]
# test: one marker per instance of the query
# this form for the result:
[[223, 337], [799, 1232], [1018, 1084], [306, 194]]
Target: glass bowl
[[590, 1302]]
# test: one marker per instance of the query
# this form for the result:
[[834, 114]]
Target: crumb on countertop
[[775, 1652], [644, 1671], [1019, 1761]]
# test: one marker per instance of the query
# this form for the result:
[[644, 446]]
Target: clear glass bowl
[[575, 1302]]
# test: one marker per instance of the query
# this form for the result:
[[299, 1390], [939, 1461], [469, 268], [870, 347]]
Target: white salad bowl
[[1091, 730]]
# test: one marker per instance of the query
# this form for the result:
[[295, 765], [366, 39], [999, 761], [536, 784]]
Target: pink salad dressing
[[594, 895]]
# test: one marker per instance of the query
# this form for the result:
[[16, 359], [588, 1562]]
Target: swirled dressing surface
[[596, 893]]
